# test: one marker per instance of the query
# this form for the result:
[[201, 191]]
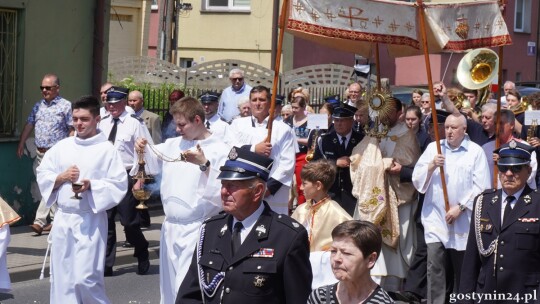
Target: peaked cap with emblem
[[116, 94], [344, 111], [333, 100], [514, 153], [209, 96], [280, 100], [244, 164]]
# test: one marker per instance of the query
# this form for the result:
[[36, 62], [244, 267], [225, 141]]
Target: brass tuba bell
[[478, 68]]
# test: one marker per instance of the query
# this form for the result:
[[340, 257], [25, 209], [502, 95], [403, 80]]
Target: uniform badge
[[494, 199], [353, 140], [334, 140], [295, 224], [263, 253], [528, 219], [259, 281], [512, 144], [527, 199], [233, 155], [260, 230], [223, 230]]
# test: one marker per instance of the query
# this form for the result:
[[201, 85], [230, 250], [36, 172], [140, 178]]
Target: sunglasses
[[513, 169], [237, 79], [47, 88]]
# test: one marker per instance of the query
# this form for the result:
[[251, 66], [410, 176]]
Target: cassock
[[189, 196], [80, 226], [284, 145], [271, 266]]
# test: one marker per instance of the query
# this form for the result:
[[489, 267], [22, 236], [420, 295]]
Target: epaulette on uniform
[[137, 118], [487, 191], [219, 216], [289, 222]]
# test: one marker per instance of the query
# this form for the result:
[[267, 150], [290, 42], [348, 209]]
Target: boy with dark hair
[[89, 161]]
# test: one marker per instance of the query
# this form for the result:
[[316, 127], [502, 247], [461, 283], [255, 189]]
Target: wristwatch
[[204, 166], [462, 207]]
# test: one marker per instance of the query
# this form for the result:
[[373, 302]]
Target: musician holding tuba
[[514, 103]]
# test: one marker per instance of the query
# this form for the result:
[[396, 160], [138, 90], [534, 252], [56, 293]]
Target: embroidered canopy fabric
[[356, 25]]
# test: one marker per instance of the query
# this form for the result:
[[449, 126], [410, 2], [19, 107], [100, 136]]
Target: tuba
[[478, 68]]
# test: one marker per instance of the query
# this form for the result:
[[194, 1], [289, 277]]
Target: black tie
[[343, 141], [207, 124], [508, 208], [112, 135], [236, 237]]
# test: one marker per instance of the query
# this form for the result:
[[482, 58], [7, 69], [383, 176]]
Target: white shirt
[[249, 222], [466, 172]]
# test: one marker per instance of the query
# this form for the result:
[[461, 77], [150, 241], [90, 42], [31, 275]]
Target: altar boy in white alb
[[190, 190], [252, 131], [80, 231]]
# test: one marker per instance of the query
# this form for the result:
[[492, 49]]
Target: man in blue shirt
[[52, 121], [228, 103]]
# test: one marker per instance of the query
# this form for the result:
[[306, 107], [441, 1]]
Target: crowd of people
[[368, 209]]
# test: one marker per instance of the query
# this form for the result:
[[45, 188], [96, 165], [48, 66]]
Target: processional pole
[[282, 24], [499, 96], [420, 8]]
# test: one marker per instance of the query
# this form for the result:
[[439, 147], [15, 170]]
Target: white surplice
[[284, 145], [467, 175], [189, 196], [79, 233]]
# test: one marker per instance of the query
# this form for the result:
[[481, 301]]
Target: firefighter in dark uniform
[[502, 258], [337, 145], [249, 253]]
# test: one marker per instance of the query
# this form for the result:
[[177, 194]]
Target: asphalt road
[[126, 287]]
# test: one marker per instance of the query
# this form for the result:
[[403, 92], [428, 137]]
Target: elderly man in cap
[[190, 191], [467, 175], [502, 259], [122, 129], [249, 254], [337, 145], [210, 102]]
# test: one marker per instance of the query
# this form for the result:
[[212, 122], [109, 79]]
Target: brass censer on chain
[[142, 194]]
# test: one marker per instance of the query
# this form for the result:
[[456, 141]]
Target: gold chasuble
[[377, 202], [319, 219]]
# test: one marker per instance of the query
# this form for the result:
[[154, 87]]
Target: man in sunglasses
[[466, 175], [502, 258], [228, 103], [52, 121]]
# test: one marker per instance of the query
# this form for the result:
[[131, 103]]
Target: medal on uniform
[[494, 199], [264, 253], [259, 281], [527, 199]]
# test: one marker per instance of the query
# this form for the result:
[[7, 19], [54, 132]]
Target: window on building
[[226, 5], [186, 62], [522, 17], [154, 5], [8, 53]]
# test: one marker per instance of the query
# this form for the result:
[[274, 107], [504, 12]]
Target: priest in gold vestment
[[381, 170]]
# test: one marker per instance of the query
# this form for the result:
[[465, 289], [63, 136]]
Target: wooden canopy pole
[[499, 96], [282, 24], [498, 115], [420, 8]]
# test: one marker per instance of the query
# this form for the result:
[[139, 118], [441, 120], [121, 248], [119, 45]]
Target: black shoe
[[108, 271], [127, 245], [405, 296], [143, 267]]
